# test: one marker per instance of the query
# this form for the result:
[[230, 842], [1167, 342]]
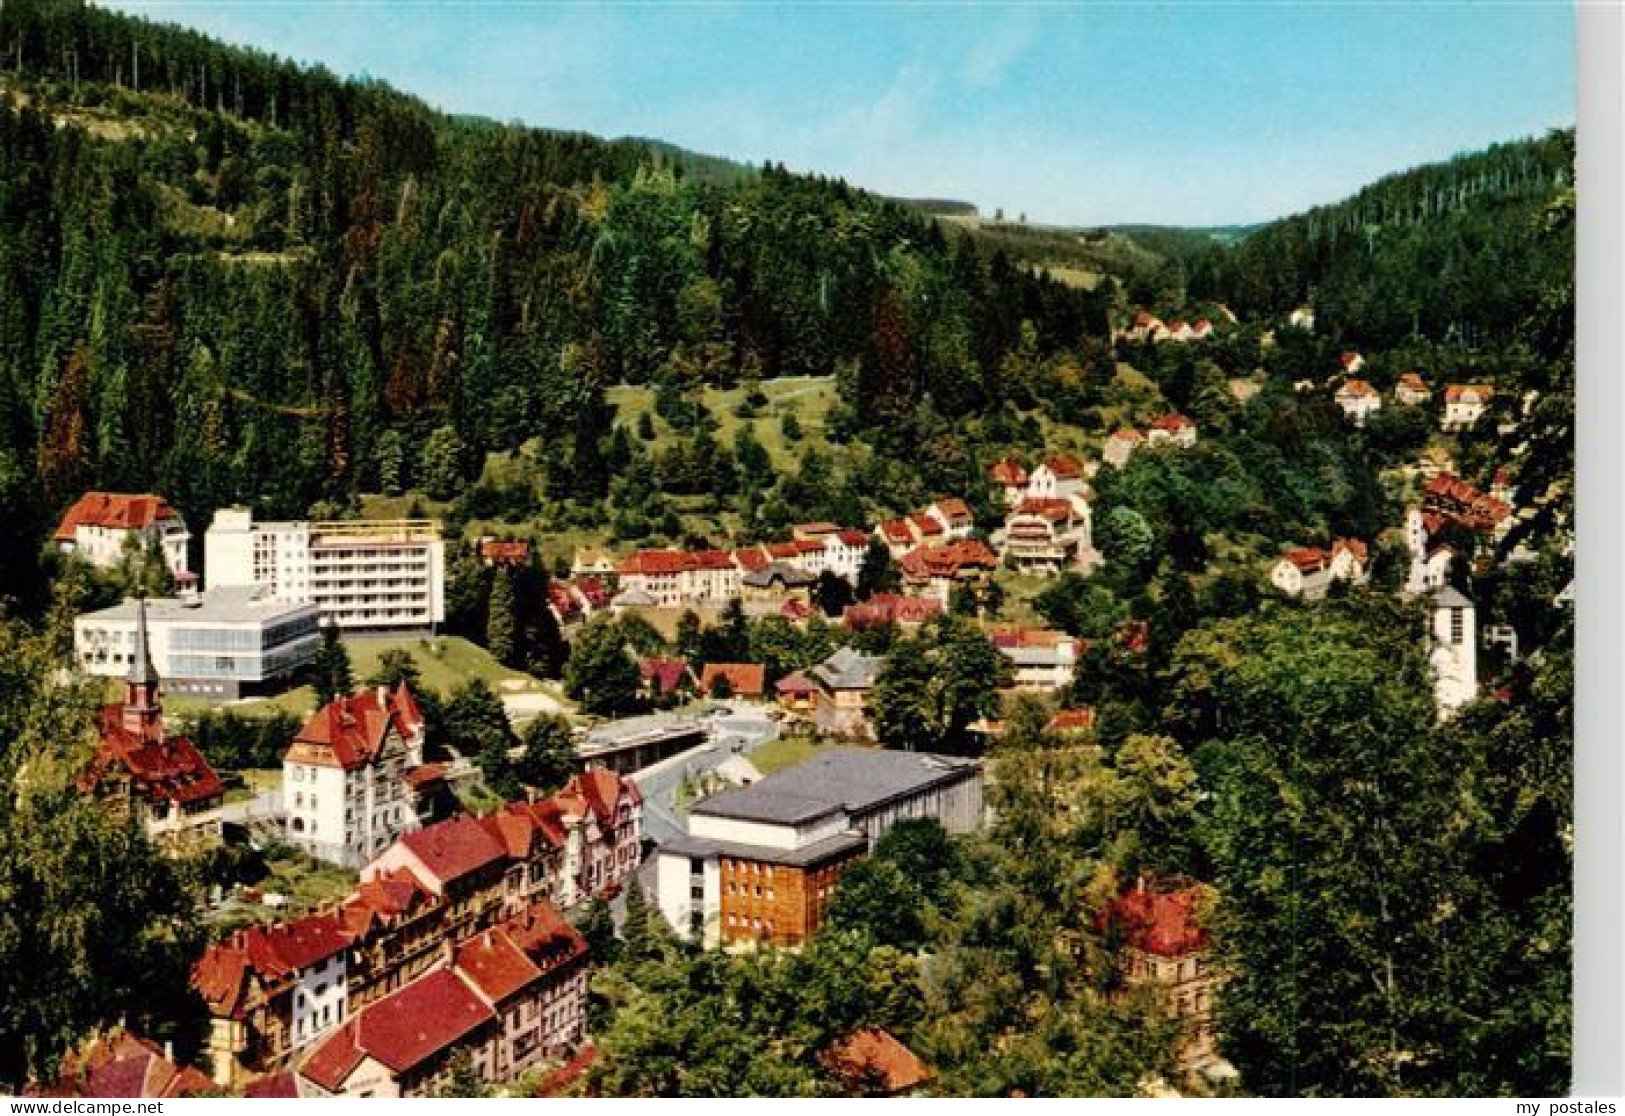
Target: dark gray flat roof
[[807, 855], [853, 779]]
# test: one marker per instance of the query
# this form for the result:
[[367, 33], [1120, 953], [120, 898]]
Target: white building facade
[[363, 574], [218, 645], [1454, 657]]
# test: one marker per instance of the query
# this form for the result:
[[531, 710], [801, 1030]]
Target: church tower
[[140, 714], [1454, 657]]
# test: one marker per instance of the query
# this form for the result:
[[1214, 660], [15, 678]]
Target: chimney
[[383, 696], [169, 1050]]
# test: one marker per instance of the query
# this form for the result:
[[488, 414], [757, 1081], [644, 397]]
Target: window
[[1457, 625]]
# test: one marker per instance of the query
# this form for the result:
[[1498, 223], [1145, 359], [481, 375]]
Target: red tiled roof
[[425, 774], [348, 732], [1358, 389], [783, 550], [795, 609], [593, 589], [666, 674], [168, 769], [1065, 466], [1134, 636], [948, 559], [1309, 559], [744, 679], [451, 849], [654, 562], [888, 608], [1456, 393], [601, 789], [546, 939], [1160, 922], [1413, 381], [555, 1083], [896, 531], [795, 683], [1008, 473], [873, 1055], [493, 966], [123, 1064], [957, 511], [1053, 508], [505, 551], [751, 559], [1072, 720], [925, 524], [113, 510], [284, 1084], [1171, 422], [1348, 360], [819, 528], [854, 538], [405, 1029], [1127, 434], [331, 1063], [1355, 547]]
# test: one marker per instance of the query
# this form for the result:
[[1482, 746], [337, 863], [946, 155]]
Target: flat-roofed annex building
[[760, 863], [364, 574], [218, 645]]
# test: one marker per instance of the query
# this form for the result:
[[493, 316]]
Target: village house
[[1040, 661], [777, 580], [353, 779], [664, 678], [935, 571], [104, 527], [797, 697], [1201, 329], [1171, 429], [1164, 949], [1120, 446], [844, 551], [954, 515], [272, 990], [137, 766], [673, 578], [746, 681], [1144, 327], [503, 552], [1350, 362], [1072, 723], [1359, 400], [1309, 571], [1464, 404], [760, 863], [510, 997], [1010, 478], [890, 608], [1302, 318], [844, 681], [873, 1063], [592, 563], [122, 1064], [1411, 390], [1046, 536]]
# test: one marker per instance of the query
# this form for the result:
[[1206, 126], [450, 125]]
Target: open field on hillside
[[809, 398]]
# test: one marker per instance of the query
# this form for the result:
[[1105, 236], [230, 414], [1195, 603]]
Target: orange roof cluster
[[115, 511], [123, 1064], [1008, 472], [272, 954], [872, 1056], [1452, 499], [890, 608], [948, 559], [434, 1012], [161, 768], [349, 732]]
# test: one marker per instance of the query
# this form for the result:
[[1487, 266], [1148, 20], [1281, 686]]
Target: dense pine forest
[[231, 279]]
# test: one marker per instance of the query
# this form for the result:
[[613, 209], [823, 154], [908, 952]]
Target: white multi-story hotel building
[[218, 645], [362, 574]]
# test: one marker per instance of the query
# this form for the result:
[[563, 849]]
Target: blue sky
[[1081, 113]]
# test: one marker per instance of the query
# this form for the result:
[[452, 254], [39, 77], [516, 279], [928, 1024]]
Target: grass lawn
[[809, 398], [786, 751], [1019, 591], [303, 883], [255, 781]]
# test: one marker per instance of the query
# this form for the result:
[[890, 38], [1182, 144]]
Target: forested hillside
[[1452, 252], [227, 278]]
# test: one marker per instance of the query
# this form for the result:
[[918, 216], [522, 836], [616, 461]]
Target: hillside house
[[1350, 363], [760, 863], [1041, 661], [1359, 400], [104, 527], [1010, 478], [954, 515], [1309, 571], [844, 682], [1046, 536], [1171, 429], [891, 608], [1411, 390], [1464, 405], [664, 678], [1056, 478], [745, 681], [1454, 655], [1120, 446], [160, 779], [348, 782], [934, 571]]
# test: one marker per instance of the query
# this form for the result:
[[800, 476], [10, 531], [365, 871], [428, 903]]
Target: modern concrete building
[[364, 575], [217, 646], [760, 863]]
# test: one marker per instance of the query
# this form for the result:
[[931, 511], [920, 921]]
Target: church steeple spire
[[141, 714]]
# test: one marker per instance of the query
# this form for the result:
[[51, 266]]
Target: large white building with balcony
[[216, 646], [364, 575]]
